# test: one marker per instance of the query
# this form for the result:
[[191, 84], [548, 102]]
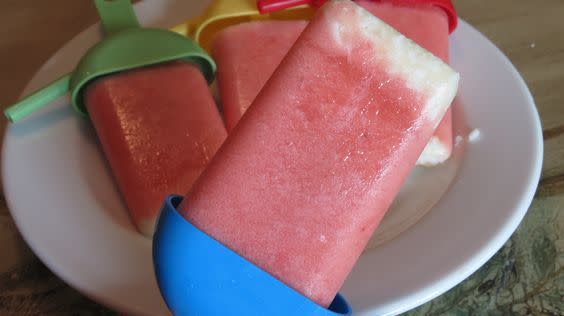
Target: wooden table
[[526, 276]]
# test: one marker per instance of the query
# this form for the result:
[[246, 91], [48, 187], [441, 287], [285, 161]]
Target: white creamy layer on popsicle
[[423, 71]]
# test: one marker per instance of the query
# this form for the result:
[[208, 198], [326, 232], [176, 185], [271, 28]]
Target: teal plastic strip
[[116, 15], [38, 99]]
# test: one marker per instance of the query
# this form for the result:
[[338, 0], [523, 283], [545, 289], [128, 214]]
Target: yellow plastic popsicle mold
[[221, 14]]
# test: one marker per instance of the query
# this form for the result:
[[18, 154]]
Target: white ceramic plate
[[64, 202]]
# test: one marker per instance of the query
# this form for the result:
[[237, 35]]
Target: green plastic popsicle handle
[[38, 99], [116, 15], [129, 50], [126, 46]]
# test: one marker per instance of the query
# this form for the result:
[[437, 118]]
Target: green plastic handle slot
[[38, 99], [116, 15]]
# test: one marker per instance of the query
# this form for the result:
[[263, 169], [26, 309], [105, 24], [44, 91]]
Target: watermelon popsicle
[[158, 127], [303, 180], [248, 53], [146, 93]]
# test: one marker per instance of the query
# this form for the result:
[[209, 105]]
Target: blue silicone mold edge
[[199, 276]]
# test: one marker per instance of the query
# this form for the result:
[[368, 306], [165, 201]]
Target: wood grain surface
[[529, 32]]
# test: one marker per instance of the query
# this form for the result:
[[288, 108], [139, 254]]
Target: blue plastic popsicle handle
[[199, 276]]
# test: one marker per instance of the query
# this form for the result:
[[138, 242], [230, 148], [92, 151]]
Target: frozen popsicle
[[248, 53], [428, 26], [303, 180], [158, 127]]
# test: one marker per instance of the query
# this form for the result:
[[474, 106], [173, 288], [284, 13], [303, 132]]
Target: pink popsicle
[[303, 180], [158, 127], [248, 53]]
